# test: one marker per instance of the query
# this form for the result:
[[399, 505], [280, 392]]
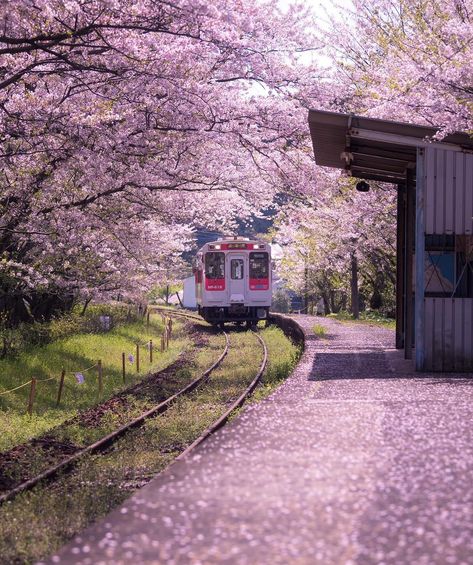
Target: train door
[[236, 281]]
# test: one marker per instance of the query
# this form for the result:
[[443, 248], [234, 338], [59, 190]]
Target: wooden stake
[[137, 358], [32, 396], [162, 343], [100, 376], [61, 385], [147, 320], [123, 368], [150, 350], [170, 326]]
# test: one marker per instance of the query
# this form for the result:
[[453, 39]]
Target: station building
[[434, 182]]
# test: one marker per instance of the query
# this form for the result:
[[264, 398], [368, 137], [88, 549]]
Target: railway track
[[105, 442], [236, 404]]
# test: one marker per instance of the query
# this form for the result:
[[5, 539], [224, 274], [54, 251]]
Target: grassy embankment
[[101, 482], [75, 354], [371, 318]]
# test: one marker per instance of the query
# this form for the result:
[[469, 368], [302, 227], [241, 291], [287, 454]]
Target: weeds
[[319, 330]]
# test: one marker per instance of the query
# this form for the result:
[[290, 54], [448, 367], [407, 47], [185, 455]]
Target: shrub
[[14, 340], [281, 301]]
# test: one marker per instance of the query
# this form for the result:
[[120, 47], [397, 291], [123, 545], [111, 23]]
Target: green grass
[[369, 317], [283, 356], [101, 482], [319, 330], [76, 354]]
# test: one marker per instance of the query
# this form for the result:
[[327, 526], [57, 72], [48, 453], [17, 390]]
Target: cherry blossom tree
[[408, 60], [322, 240], [126, 125]]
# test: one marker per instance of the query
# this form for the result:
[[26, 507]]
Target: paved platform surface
[[353, 460]]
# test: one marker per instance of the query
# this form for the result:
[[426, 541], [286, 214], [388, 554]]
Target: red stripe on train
[[259, 284], [214, 284]]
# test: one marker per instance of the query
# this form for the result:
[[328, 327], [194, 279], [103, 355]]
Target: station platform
[[354, 459]]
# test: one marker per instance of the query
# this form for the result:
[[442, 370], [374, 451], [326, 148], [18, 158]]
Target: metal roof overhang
[[373, 149]]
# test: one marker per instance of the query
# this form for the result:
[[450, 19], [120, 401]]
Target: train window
[[236, 269], [215, 265], [259, 265]]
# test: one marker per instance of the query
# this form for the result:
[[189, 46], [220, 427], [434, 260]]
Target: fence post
[[123, 367], [61, 385], [147, 319], [167, 337], [100, 376], [137, 358], [162, 343], [170, 326], [150, 350], [31, 396]]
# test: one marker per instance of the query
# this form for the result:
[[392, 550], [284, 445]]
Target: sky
[[323, 9]]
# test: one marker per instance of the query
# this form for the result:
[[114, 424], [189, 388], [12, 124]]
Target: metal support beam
[[397, 139], [400, 259], [408, 266], [420, 261]]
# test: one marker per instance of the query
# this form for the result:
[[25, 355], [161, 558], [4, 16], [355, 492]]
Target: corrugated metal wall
[[448, 192], [448, 338], [448, 322]]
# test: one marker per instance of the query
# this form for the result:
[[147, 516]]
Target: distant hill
[[254, 227]]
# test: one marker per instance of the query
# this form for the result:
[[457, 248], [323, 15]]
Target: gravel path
[[353, 460]]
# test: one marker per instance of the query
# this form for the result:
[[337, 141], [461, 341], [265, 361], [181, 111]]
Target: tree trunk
[[86, 303], [306, 289], [354, 287], [326, 300]]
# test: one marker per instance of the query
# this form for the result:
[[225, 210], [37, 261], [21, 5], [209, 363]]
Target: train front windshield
[[215, 265], [259, 265]]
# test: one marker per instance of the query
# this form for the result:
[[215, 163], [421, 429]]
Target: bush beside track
[[290, 327]]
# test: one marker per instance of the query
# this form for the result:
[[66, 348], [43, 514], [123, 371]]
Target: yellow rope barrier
[[45, 380], [84, 370], [16, 388]]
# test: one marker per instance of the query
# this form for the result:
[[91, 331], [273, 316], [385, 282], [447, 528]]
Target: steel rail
[[238, 402], [109, 439], [177, 313]]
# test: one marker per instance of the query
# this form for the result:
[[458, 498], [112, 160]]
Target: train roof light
[[233, 238]]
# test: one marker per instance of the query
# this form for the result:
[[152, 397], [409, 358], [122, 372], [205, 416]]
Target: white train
[[233, 280]]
